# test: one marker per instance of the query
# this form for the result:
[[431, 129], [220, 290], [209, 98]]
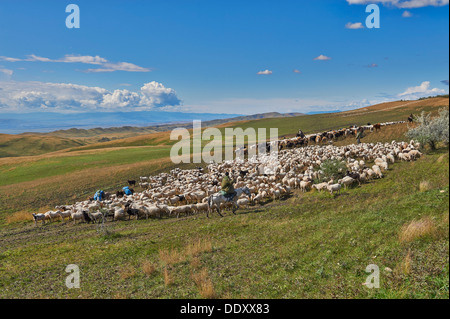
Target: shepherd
[[359, 135], [227, 187], [127, 190], [99, 195]]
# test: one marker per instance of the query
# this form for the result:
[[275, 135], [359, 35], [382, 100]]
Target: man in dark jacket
[[359, 135]]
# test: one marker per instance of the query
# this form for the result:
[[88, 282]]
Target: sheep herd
[[265, 177]]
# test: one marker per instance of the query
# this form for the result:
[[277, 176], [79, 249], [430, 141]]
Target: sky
[[203, 56]]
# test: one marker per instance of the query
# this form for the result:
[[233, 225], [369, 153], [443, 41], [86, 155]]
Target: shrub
[[431, 130], [332, 169]]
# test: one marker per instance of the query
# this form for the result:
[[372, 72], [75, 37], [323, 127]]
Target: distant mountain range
[[91, 124]]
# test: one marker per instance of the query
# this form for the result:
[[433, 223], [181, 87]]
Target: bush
[[333, 169], [431, 130]]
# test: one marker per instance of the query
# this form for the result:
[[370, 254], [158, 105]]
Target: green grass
[[11, 146], [311, 245], [46, 167]]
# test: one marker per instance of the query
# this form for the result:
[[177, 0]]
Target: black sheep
[[86, 217]]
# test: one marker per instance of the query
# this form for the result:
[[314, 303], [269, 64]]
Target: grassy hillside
[[392, 111], [37, 183], [288, 125], [311, 245], [28, 145]]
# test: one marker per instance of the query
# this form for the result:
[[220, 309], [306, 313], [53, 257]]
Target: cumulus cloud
[[322, 58], [407, 14], [104, 64], [422, 90], [64, 97], [404, 4], [265, 72], [353, 26]]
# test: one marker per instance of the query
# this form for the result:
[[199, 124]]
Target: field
[[311, 245], [308, 246]]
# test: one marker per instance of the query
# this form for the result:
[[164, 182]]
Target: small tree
[[431, 130], [332, 169]]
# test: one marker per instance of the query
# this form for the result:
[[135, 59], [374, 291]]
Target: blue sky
[[205, 56]]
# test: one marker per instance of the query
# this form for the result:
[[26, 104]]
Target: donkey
[[215, 200]]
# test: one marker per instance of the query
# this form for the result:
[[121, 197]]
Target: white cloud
[[33, 58], [404, 4], [105, 65], [353, 26], [322, 58], [63, 97], [6, 71], [154, 93], [407, 14], [82, 59], [120, 66], [422, 90], [7, 59], [265, 72]]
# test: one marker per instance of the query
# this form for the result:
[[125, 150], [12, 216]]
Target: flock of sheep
[[265, 177]]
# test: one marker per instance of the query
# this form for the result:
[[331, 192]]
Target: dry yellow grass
[[405, 266], [120, 295], [195, 263], [193, 249], [167, 277], [417, 229], [23, 215], [198, 246], [204, 284], [19, 217], [438, 101], [126, 271], [148, 267], [445, 217], [171, 256], [442, 157], [424, 186]]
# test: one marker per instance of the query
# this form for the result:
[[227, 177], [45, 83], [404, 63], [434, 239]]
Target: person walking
[[359, 135]]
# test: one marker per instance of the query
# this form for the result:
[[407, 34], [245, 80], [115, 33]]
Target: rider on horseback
[[227, 187]]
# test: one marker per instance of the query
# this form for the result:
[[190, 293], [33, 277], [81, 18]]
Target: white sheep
[[38, 217], [334, 188]]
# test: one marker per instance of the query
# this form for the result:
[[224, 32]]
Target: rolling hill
[[27, 144], [309, 245]]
